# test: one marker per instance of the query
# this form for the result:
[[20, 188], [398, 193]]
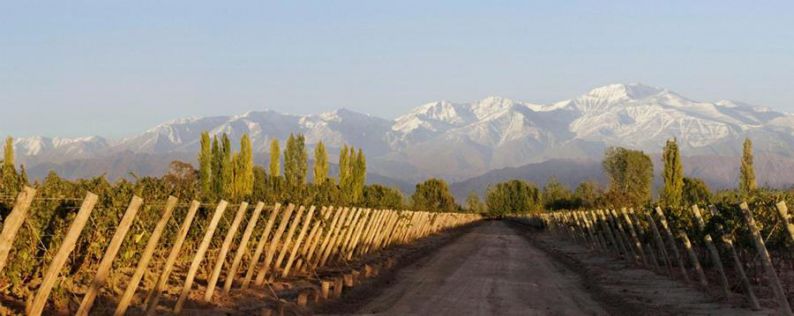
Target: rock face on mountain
[[461, 140]]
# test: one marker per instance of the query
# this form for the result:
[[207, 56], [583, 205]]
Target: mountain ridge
[[457, 141]]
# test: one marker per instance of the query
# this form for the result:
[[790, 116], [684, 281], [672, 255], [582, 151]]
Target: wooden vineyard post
[[154, 294], [143, 263], [110, 255], [671, 241], [657, 237], [694, 259], [260, 245], [608, 232], [271, 249], [748, 289], [287, 243], [242, 248], [199, 257], [782, 210], [766, 261], [348, 249], [328, 230], [344, 221], [348, 234], [227, 242], [623, 240], [298, 242], [634, 236], [75, 228], [715, 255], [311, 239], [13, 222]]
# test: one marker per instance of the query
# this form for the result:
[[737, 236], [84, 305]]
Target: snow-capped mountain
[[459, 140]]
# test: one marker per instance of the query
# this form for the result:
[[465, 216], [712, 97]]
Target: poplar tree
[[217, 165], [205, 165], [302, 159], [673, 191], [9, 176], [747, 184], [290, 163], [275, 159], [227, 172], [320, 164], [345, 176], [246, 167], [359, 171]]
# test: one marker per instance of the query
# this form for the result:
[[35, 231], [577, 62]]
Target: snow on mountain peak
[[620, 91]]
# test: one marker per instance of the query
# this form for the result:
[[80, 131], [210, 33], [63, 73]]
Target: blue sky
[[115, 68]]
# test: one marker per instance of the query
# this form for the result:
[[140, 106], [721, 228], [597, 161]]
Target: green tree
[[345, 174], [556, 196], [205, 165], [359, 172], [10, 179], [295, 161], [695, 192], [275, 158], [514, 196], [747, 184], [227, 169], [320, 164], [216, 169], [673, 175], [630, 175], [245, 175], [588, 195], [433, 196], [382, 197], [474, 204]]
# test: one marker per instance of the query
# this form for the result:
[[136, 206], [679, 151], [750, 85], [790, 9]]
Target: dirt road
[[489, 271]]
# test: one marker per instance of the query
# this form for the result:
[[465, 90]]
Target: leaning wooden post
[[227, 242], [307, 220], [311, 239], [715, 255], [271, 249], [143, 263], [328, 230], [199, 257], [766, 261], [13, 222], [110, 255], [782, 210], [242, 248], [657, 238], [260, 246], [694, 259], [634, 236], [285, 247], [154, 294], [40, 300], [737, 264], [671, 240]]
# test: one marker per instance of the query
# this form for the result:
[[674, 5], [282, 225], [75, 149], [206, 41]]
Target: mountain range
[[459, 141]]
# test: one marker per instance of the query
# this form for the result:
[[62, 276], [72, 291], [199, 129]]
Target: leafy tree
[[261, 190], [275, 158], [433, 195], [295, 165], [474, 204], [227, 171], [181, 177], [588, 195], [514, 196], [557, 196], [673, 175], [345, 174], [630, 175], [747, 184], [695, 192], [320, 164], [359, 172], [216, 168], [244, 177], [205, 165], [382, 197], [9, 176]]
